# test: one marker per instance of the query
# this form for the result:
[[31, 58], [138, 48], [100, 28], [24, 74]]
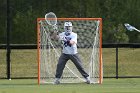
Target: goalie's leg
[[60, 67], [78, 63]]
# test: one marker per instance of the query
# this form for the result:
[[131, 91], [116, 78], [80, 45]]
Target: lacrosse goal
[[89, 31]]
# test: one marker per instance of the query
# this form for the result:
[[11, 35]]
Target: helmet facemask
[[68, 28]]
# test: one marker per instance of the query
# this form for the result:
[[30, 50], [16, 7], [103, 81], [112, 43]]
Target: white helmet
[[68, 27], [67, 24]]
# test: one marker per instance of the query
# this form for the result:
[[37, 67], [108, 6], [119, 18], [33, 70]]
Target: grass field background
[[130, 85], [24, 62]]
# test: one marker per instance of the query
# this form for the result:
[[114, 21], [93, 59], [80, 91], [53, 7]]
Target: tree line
[[115, 13]]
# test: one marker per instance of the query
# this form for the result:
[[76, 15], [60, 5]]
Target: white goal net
[[89, 31]]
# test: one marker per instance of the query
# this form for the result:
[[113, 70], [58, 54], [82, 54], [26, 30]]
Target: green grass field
[[130, 85], [24, 64]]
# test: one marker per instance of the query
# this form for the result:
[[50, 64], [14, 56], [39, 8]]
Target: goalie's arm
[[55, 35], [72, 42]]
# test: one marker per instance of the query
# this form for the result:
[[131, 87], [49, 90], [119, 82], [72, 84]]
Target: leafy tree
[[3, 22], [114, 13], [120, 36]]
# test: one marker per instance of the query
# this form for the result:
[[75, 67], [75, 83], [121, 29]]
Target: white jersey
[[69, 49]]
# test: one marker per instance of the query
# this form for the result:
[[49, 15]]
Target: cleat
[[87, 80], [56, 81]]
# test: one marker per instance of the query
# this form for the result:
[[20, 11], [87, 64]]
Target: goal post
[[89, 31]]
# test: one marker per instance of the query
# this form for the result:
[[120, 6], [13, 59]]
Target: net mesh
[[89, 49]]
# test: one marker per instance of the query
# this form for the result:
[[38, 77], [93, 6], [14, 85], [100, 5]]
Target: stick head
[[129, 27], [51, 18]]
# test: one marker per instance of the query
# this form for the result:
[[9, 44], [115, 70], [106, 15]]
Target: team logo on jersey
[[67, 42]]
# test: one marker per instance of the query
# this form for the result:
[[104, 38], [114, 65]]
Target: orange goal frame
[[100, 55]]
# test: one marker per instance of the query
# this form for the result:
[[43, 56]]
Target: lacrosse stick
[[130, 28]]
